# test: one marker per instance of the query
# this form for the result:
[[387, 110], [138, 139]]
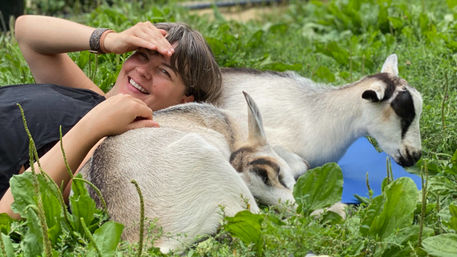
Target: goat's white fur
[[184, 172], [319, 122]]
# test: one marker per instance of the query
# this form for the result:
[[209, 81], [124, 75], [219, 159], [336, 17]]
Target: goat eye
[[281, 181], [262, 173]]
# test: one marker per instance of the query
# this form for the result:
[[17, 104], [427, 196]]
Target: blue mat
[[360, 158]]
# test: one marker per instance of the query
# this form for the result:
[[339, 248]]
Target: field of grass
[[334, 41]]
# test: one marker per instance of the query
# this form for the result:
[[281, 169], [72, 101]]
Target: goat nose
[[410, 159], [416, 155]]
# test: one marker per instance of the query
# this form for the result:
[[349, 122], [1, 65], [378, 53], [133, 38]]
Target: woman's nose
[[144, 71]]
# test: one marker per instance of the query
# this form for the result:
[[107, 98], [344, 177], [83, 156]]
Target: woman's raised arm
[[44, 42]]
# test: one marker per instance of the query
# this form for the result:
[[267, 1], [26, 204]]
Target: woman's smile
[[137, 86]]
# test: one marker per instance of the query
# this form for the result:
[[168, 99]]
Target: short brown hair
[[194, 61]]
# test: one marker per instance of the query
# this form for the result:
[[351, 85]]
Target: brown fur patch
[[391, 83], [386, 113], [268, 170], [237, 157], [266, 161]]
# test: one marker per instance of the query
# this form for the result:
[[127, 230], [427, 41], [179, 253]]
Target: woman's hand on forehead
[[142, 35]]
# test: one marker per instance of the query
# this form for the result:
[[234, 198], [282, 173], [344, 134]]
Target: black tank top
[[46, 107]]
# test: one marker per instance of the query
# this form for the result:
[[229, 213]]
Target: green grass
[[337, 42]]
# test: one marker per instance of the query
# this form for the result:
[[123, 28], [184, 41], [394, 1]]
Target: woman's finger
[[143, 124], [157, 37], [140, 42], [143, 111]]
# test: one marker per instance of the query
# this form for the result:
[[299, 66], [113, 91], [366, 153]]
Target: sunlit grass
[[334, 42]]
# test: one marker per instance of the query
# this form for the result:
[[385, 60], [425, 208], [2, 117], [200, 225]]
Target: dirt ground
[[245, 13]]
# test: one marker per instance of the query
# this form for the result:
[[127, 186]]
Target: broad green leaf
[[396, 245], [5, 223], [256, 39], [397, 23], [453, 219], [454, 156], [23, 192], [8, 245], [280, 28], [274, 220], [22, 187], [82, 205], [246, 226], [32, 243], [52, 207], [452, 166], [107, 238], [217, 46], [344, 75], [424, 23], [392, 210], [451, 3], [323, 73], [332, 49], [332, 218], [372, 211], [444, 245], [24, 195], [383, 22], [319, 187], [410, 233]]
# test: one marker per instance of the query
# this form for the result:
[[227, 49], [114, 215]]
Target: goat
[[319, 122], [186, 172]]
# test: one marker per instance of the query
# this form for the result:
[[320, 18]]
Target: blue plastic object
[[362, 158]]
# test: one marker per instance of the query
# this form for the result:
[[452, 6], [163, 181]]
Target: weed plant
[[335, 41]]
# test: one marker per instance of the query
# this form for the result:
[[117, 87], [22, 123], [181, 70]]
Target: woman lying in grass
[[172, 64]]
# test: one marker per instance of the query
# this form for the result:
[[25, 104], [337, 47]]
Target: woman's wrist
[[97, 40], [91, 128]]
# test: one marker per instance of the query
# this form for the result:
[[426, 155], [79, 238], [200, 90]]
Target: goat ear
[[391, 65], [375, 92], [256, 132], [370, 95]]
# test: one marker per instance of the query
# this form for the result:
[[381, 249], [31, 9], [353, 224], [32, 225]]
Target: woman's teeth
[[135, 85]]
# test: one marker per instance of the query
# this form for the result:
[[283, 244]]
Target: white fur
[[184, 173], [318, 122], [184, 182]]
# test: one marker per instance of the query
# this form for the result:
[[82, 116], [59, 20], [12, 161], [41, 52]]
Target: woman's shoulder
[[47, 92], [46, 107]]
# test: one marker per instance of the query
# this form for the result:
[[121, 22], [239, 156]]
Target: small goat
[[184, 169], [318, 123]]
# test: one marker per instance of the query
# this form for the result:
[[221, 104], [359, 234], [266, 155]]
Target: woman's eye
[[143, 56], [164, 71]]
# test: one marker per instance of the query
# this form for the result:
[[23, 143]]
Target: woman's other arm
[[44, 42], [114, 116]]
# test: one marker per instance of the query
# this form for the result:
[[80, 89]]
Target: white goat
[[184, 169], [318, 122]]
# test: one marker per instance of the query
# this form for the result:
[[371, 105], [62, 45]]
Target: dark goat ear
[[370, 95]]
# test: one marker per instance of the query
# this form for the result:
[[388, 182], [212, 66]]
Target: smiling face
[[150, 77]]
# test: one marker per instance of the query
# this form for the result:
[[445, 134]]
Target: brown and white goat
[[184, 169]]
